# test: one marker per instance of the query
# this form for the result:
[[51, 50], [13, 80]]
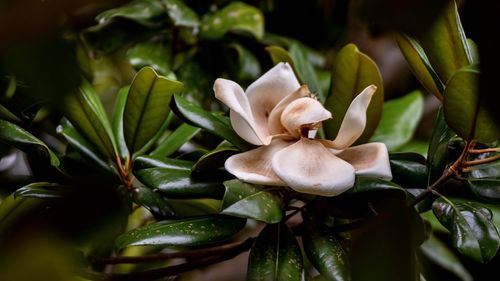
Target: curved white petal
[[308, 167], [274, 122], [370, 159], [267, 91], [254, 166], [354, 120], [242, 120], [301, 112]]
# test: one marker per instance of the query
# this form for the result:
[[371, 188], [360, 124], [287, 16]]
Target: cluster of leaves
[[161, 144]]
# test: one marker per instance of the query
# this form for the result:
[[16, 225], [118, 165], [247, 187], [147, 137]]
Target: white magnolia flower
[[279, 115]]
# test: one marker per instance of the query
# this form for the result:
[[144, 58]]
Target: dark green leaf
[[144, 162], [399, 120], [153, 54], [248, 66], [305, 70], [236, 16], [181, 14], [371, 184], [250, 201], [41, 190], [144, 12], [279, 54], [13, 209], [183, 233], [275, 255], [486, 188], [16, 136], [438, 252], [465, 112], [213, 160], [179, 183], [153, 202], [175, 140], [195, 207], [325, 251], [84, 110], [445, 43], [215, 124], [420, 65], [84, 147], [409, 174], [438, 148], [147, 107], [117, 122], [490, 170], [409, 156], [472, 230], [352, 72]]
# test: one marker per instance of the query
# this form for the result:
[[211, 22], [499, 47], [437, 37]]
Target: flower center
[[309, 130]]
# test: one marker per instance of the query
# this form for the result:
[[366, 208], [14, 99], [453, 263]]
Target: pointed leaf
[[438, 252], [183, 233], [84, 110], [465, 112], [472, 230], [179, 184], [213, 160], [147, 107], [154, 54], [16, 136], [275, 255], [215, 124], [144, 12], [325, 251], [352, 72], [117, 122], [445, 43], [399, 120], [305, 70], [438, 147], [175, 140], [84, 147], [251, 201], [153, 202], [181, 14], [144, 162], [41, 190], [236, 16], [279, 54], [420, 65]]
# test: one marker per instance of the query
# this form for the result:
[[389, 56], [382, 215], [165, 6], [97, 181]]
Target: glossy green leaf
[[371, 184], [147, 161], [486, 188], [279, 54], [438, 148], [147, 107], [175, 140], [13, 209], [490, 170], [215, 124], [84, 110], [144, 12], [465, 112], [84, 147], [275, 255], [473, 50], [213, 160], [472, 230], [409, 174], [251, 201], [16, 136], [305, 70], [41, 190], [352, 72], [399, 120], [195, 207], [154, 54], [179, 183], [235, 17], [415, 145], [248, 66], [420, 65], [183, 233], [117, 122], [181, 14], [325, 251], [445, 43], [438, 252], [153, 202]]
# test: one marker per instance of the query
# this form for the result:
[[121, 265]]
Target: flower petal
[[370, 159], [301, 112], [254, 166], [274, 122], [309, 167], [354, 120], [242, 120]]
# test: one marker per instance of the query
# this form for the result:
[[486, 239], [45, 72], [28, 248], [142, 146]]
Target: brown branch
[[481, 161], [485, 150]]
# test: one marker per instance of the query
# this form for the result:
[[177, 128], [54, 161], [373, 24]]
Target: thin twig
[[481, 161], [484, 150]]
